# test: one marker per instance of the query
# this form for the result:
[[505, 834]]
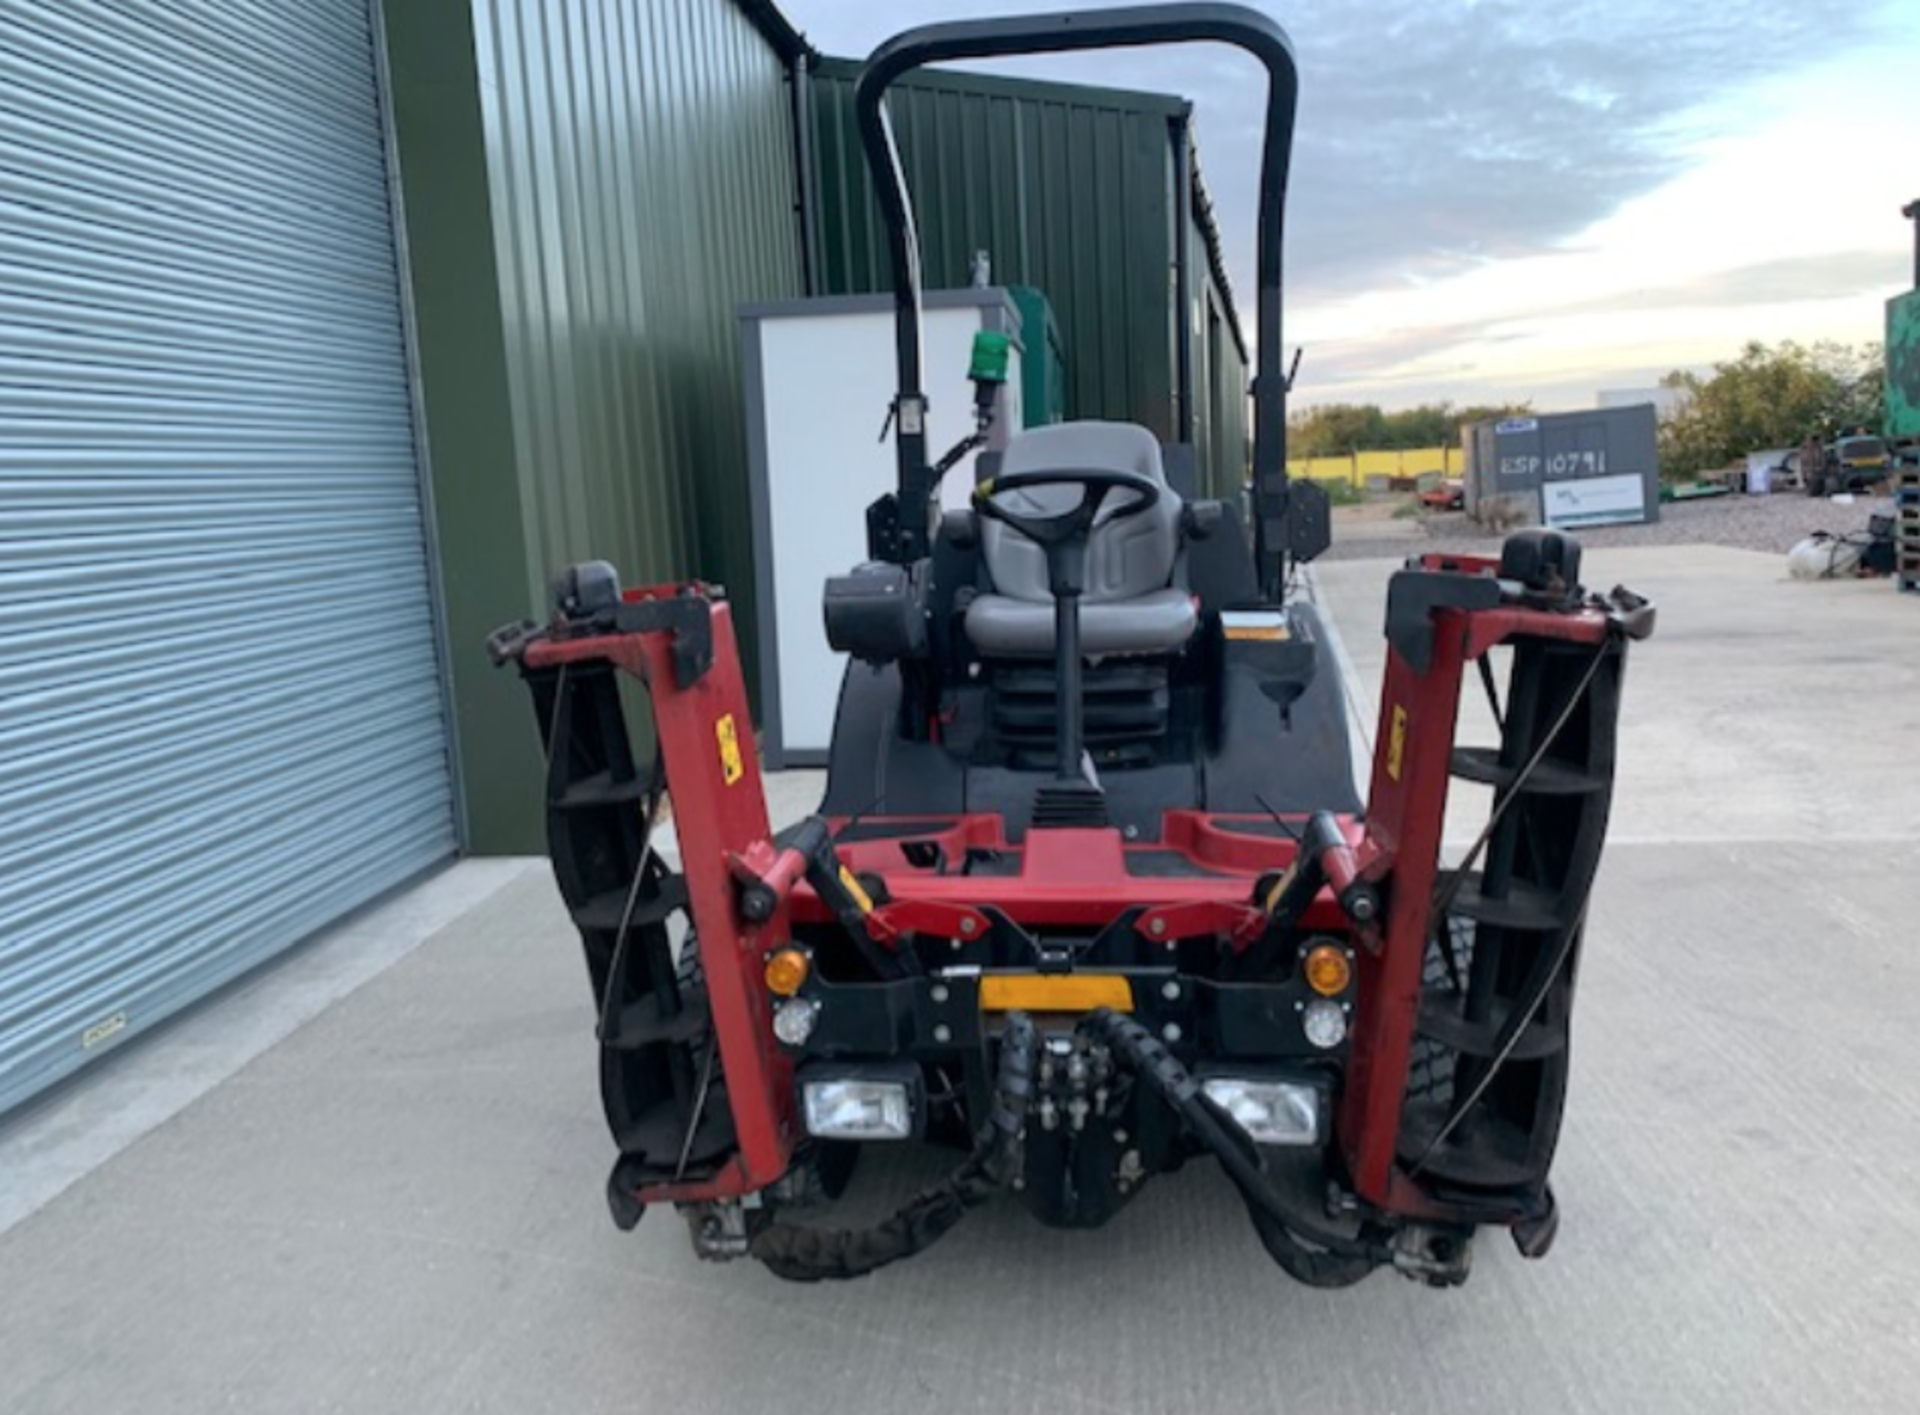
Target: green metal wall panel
[[591, 187], [590, 191], [1068, 188], [1071, 190], [467, 427], [1221, 422], [641, 160]]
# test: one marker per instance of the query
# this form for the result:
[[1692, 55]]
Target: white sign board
[[1594, 501], [826, 379]]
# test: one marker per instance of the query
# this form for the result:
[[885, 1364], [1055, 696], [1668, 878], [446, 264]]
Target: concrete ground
[[370, 1181]]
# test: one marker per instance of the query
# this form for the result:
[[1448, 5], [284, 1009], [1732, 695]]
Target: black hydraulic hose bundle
[[815, 1255], [1159, 1068]]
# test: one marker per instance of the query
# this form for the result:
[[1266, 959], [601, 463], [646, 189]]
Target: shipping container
[[1567, 470]]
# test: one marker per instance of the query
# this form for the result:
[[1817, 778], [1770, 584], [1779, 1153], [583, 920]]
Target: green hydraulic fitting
[[990, 350]]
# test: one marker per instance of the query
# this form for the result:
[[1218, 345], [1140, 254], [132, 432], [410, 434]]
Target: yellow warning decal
[[731, 767], [1396, 743], [852, 886]]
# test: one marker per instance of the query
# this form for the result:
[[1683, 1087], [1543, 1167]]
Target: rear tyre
[[1430, 1065]]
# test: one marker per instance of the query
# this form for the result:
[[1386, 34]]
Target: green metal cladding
[[641, 160], [591, 188], [1071, 190]]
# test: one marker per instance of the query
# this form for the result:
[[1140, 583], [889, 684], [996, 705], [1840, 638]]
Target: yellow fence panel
[[1358, 467]]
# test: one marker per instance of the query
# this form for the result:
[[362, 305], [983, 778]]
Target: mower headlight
[[794, 1019], [1272, 1112], [1325, 1023], [857, 1108]]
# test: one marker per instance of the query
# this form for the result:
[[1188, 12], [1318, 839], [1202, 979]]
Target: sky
[[1494, 201]]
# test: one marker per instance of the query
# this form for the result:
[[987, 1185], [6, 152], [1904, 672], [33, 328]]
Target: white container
[[1823, 557]]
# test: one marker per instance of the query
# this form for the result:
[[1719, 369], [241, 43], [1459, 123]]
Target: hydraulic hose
[[815, 1255], [1219, 1132]]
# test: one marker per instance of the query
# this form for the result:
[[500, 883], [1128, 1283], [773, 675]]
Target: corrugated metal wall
[[1222, 431], [221, 713], [1069, 189], [641, 166]]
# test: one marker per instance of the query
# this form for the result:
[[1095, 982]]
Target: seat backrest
[[1125, 559]]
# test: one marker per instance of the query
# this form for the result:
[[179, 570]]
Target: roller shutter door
[[221, 717]]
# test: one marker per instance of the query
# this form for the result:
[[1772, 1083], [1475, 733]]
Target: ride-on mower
[[1091, 892]]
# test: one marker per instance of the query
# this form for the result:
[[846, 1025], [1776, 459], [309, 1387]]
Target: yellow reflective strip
[[1280, 886], [852, 886], [1046, 992]]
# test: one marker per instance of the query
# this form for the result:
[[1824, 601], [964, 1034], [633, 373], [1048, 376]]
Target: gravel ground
[[1742, 522]]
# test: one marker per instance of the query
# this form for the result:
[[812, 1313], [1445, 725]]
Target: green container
[[1043, 375]]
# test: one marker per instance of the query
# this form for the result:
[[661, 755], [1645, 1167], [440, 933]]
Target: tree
[[1339, 429], [1769, 397], [1335, 429]]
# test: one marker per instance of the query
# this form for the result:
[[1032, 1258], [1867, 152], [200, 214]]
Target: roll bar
[[907, 537]]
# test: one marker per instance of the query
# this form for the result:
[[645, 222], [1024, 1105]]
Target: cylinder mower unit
[[1091, 892]]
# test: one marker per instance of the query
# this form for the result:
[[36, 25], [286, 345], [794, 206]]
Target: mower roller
[[1091, 891]]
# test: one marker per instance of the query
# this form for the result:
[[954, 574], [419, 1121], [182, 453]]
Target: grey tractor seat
[[1130, 603]]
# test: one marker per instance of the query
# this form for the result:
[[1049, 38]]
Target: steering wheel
[[1066, 527]]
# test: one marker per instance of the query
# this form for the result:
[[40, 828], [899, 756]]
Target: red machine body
[[1377, 877]]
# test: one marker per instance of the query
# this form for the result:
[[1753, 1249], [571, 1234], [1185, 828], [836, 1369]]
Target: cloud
[[1494, 199], [1436, 136], [1828, 275], [1536, 350]]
